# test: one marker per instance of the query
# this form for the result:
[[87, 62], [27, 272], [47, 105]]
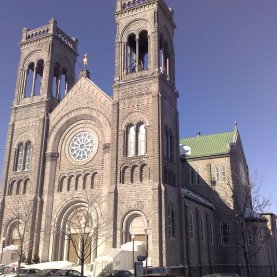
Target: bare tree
[[249, 204], [88, 227], [21, 218]]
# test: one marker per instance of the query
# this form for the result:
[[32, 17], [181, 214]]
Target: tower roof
[[208, 145]]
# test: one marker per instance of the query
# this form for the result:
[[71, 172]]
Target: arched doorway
[[76, 235], [135, 224]]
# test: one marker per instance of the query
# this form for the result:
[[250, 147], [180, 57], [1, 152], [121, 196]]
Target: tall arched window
[[131, 53], [191, 227], [202, 229], [223, 174], [217, 174], [220, 174], [20, 157], [143, 51], [211, 233], [141, 140], [28, 156], [131, 141], [38, 77], [29, 80], [170, 215], [194, 176], [225, 233]]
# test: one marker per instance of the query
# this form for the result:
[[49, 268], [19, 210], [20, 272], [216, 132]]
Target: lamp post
[[146, 250], [3, 243], [133, 240]]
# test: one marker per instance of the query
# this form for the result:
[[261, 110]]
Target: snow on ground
[[53, 265]]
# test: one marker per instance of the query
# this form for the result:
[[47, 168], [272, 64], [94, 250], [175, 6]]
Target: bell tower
[[47, 64], [146, 156], [46, 72]]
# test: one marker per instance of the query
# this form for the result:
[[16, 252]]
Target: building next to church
[[69, 142]]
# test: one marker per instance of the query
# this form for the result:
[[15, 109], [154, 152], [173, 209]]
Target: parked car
[[62, 272], [177, 271], [155, 272], [117, 273], [222, 275], [30, 272], [48, 272]]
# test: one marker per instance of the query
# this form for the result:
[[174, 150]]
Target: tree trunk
[[82, 256]]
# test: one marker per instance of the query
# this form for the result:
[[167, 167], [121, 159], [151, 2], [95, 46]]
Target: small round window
[[82, 145]]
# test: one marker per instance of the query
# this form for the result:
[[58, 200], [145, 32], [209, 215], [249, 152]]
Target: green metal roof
[[209, 145]]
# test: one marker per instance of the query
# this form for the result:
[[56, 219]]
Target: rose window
[[81, 146]]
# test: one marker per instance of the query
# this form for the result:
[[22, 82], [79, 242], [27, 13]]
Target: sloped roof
[[196, 197], [209, 145]]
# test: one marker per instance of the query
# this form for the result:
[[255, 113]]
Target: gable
[[84, 94]]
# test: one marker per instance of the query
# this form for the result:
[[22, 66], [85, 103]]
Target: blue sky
[[226, 65]]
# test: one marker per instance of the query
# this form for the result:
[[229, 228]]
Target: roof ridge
[[208, 135]]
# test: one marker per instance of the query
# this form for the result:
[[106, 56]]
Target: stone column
[[137, 54], [149, 54], [58, 88], [33, 81], [48, 195]]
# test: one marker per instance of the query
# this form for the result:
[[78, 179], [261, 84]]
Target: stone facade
[[71, 147]]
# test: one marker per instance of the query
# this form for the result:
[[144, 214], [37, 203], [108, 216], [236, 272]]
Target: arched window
[[202, 229], [134, 174], [225, 233], [131, 141], [143, 51], [223, 174], [11, 188], [131, 54], [70, 183], [60, 81], [194, 176], [94, 180], [211, 233], [28, 156], [141, 140], [26, 186], [78, 182], [164, 58], [61, 184], [38, 77], [220, 174], [261, 236], [86, 181], [123, 175], [191, 227], [20, 157], [217, 174], [29, 80], [168, 144], [171, 230], [249, 237], [144, 173], [18, 187], [165, 176]]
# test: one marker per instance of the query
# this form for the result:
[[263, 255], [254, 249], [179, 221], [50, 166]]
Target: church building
[[83, 167]]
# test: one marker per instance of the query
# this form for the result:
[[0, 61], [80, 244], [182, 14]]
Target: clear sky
[[226, 65]]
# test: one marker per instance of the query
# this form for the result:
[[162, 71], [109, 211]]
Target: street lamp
[[3, 243], [146, 250]]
